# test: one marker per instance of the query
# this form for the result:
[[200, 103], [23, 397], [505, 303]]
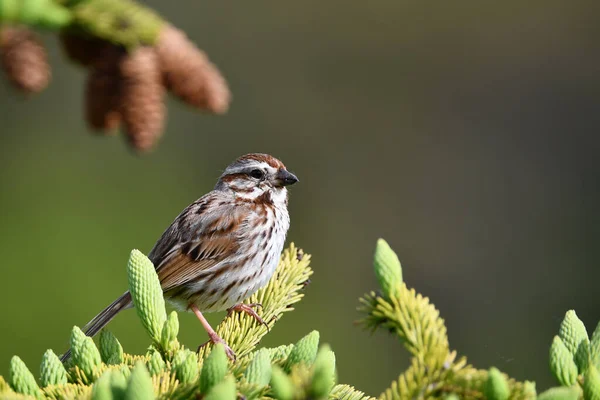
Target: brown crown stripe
[[272, 161]]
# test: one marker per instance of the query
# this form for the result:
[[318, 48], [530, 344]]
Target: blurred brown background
[[464, 132]]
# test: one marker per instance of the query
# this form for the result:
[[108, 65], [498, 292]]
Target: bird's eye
[[257, 173]]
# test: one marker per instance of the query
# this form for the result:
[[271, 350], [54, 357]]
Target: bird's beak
[[286, 178]]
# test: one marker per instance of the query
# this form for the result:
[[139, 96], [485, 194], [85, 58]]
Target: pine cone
[[86, 50], [141, 97], [188, 73], [102, 100], [24, 59]]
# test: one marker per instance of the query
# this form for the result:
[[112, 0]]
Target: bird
[[223, 247]]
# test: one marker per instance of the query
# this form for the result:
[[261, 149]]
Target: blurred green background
[[464, 132]]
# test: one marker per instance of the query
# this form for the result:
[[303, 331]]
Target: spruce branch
[[304, 370]]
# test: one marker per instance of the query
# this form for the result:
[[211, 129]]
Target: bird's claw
[[217, 339], [249, 309]]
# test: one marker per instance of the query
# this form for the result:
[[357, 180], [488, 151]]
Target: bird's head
[[257, 176]]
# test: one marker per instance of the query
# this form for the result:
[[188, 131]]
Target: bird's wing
[[204, 234]]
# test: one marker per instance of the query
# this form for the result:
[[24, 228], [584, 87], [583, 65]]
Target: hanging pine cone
[[189, 74], [102, 100], [141, 97], [84, 49], [103, 92], [24, 59]]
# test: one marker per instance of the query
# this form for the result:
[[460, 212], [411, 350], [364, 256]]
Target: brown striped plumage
[[223, 247]]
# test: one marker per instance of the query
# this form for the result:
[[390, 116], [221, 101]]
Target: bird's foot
[[249, 309], [214, 339]]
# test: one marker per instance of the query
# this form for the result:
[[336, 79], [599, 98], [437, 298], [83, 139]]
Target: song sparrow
[[223, 247]]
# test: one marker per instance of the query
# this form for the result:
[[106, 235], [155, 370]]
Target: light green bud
[[259, 370], [147, 294], [140, 384], [21, 379], [52, 371], [595, 347], [101, 390], [304, 351], [560, 393], [574, 335], [591, 384], [77, 340], [214, 368], [185, 364], [118, 382], [281, 352], [323, 373], [110, 348], [224, 390], [387, 269], [281, 384], [496, 386], [169, 333], [156, 364], [89, 358], [561, 363]]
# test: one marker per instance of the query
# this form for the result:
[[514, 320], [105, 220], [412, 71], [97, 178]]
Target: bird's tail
[[105, 316]]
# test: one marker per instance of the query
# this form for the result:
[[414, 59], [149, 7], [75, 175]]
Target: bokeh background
[[463, 132]]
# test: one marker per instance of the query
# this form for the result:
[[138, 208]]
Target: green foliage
[[123, 22], [434, 372], [347, 392], [303, 370], [99, 17], [40, 13]]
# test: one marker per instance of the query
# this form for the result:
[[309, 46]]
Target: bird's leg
[[248, 309], [214, 337]]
